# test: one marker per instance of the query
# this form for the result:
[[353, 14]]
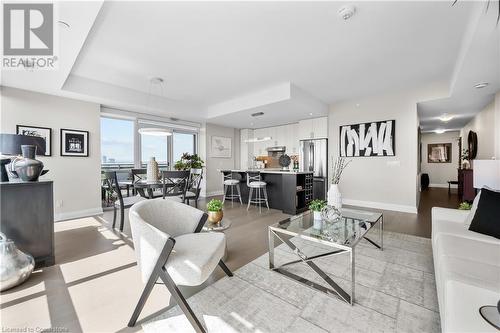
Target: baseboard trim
[[443, 185], [77, 214], [212, 194], [381, 205]]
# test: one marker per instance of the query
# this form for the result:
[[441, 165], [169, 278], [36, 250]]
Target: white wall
[[440, 173], [382, 182], [484, 126], [213, 180], [76, 179]]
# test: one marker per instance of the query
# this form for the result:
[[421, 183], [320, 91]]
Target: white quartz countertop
[[273, 171]]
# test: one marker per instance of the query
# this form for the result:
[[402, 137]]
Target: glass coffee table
[[342, 236]]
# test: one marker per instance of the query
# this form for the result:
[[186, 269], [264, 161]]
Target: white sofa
[[467, 268]]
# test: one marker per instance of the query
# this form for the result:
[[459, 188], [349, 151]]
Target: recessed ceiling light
[[439, 131], [357, 105], [346, 12], [481, 85], [251, 124], [64, 24], [446, 117], [257, 114], [310, 113]]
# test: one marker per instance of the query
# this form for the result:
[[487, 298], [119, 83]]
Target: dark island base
[[282, 190]]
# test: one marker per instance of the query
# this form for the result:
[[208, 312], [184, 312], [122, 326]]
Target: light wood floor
[[95, 284]]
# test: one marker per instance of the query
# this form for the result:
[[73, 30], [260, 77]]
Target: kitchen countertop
[[270, 171]]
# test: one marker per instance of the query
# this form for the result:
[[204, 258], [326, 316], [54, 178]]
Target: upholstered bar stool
[[254, 182], [230, 184]]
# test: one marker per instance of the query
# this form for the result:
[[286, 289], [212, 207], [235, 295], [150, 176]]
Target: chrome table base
[[335, 290]]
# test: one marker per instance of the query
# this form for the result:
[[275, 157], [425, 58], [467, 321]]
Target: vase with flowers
[[334, 195]]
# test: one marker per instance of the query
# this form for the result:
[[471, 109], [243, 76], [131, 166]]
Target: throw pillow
[[486, 220]]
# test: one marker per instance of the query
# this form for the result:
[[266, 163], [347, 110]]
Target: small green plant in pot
[[214, 208], [465, 206], [316, 206]]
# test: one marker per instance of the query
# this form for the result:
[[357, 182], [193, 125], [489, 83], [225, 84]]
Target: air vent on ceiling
[[257, 114]]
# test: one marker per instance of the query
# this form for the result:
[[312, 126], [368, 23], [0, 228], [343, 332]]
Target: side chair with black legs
[[169, 246], [121, 203]]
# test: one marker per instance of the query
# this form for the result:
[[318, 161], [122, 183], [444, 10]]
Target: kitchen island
[[288, 191]]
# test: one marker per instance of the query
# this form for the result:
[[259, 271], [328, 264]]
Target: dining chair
[[169, 246], [194, 186], [121, 202], [175, 184]]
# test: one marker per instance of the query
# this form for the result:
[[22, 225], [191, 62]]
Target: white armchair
[[169, 246]]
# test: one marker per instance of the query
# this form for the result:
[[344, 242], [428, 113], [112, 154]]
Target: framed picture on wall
[[439, 153], [42, 132], [74, 142], [221, 147], [377, 138]]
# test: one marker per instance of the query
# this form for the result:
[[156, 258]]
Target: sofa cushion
[[443, 228], [487, 216], [195, 256], [461, 307]]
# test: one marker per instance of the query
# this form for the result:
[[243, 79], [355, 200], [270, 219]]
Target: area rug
[[395, 292]]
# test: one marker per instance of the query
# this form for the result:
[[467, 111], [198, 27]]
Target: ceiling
[[217, 55]]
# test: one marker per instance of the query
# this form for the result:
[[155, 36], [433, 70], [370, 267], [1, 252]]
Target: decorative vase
[[15, 267], [28, 168], [465, 164], [152, 170], [334, 196], [316, 215], [330, 214], [215, 217]]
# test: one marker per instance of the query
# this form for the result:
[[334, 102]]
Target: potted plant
[[214, 208], [188, 162], [316, 206], [334, 196]]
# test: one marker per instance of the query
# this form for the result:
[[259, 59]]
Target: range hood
[[277, 149]]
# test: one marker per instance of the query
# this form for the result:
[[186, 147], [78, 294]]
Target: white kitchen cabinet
[[315, 128]]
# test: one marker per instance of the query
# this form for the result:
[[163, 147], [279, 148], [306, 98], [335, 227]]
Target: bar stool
[[230, 182], [254, 181]]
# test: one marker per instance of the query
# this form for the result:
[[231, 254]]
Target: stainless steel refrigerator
[[314, 157]]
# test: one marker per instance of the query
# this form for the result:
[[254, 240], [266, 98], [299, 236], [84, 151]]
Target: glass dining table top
[[346, 231]]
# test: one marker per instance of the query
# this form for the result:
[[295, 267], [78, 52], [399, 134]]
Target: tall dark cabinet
[[27, 217], [466, 191]]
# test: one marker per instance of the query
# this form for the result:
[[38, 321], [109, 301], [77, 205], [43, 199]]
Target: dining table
[[144, 186]]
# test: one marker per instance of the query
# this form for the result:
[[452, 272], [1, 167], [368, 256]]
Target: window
[[117, 143], [154, 146], [183, 143]]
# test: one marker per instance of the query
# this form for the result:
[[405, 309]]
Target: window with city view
[[154, 146], [183, 143], [117, 142]]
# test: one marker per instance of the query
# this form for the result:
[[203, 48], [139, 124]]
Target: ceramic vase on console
[[28, 168], [152, 170], [334, 196]]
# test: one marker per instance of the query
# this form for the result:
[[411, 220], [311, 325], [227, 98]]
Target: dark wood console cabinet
[[466, 191], [27, 217]]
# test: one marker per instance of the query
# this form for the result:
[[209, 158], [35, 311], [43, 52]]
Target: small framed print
[[74, 142], [42, 132]]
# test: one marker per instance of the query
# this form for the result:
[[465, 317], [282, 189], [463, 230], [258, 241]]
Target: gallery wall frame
[[74, 143], [43, 132], [221, 146], [439, 152], [370, 139]]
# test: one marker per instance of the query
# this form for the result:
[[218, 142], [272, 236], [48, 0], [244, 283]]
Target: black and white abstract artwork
[[74, 142], [368, 139], [41, 132]]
